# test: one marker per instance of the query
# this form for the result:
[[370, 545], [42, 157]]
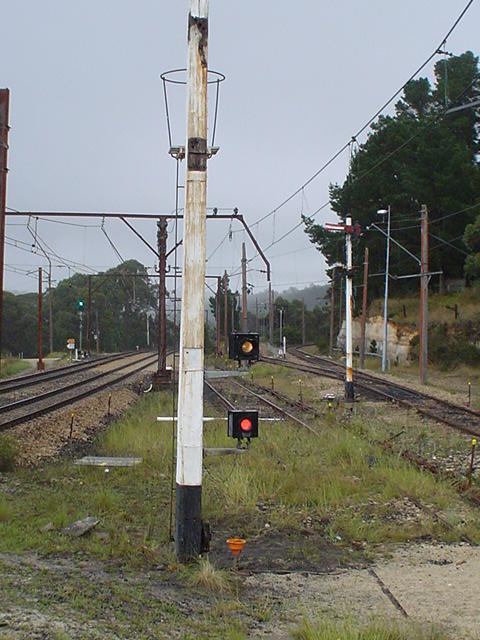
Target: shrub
[[8, 453], [447, 348]]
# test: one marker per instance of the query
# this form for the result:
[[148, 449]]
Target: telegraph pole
[[349, 391], [40, 363], [188, 515], [89, 313], [50, 310], [364, 309], [244, 290], [162, 311], [4, 128], [256, 315], [270, 313], [303, 320], [332, 312], [424, 296], [97, 331], [225, 313], [385, 297], [218, 313]]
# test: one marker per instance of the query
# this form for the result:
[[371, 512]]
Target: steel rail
[[32, 379], [371, 383], [361, 375], [262, 399], [7, 424]]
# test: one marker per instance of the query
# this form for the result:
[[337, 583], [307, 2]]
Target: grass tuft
[[207, 578], [5, 510], [8, 454], [347, 630]]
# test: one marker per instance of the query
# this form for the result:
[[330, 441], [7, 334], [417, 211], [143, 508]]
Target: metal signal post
[[188, 520], [349, 390], [349, 230]]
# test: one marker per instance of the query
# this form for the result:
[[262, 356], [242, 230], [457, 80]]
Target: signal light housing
[[242, 424], [80, 305], [244, 346]]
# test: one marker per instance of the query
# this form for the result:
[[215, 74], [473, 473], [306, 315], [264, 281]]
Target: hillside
[[406, 310]]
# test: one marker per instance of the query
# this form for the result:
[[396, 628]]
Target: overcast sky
[[89, 129]]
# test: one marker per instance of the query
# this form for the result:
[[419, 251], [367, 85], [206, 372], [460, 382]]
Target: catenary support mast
[[162, 292], [364, 309], [244, 289], [424, 296], [188, 525], [4, 107]]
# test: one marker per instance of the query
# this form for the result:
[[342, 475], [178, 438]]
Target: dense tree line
[[420, 155], [121, 297]]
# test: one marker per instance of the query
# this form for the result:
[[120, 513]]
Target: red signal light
[[246, 424]]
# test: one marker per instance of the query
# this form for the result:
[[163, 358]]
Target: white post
[[281, 327], [284, 346], [188, 524], [385, 298], [349, 390]]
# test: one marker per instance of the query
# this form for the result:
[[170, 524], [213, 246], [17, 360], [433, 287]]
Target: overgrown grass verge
[[349, 630], [13, 366], [336, 484]]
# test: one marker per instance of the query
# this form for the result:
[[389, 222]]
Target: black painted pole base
[[188, 522], [349, 391]]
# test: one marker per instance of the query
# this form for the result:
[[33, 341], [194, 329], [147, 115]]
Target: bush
[[447, 348], [8, 453]]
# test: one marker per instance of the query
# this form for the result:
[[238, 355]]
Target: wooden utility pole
[[4, 128], [424, 296], [244, 290], [232, 313], [97, 331], [270, 313], [188, 514], [256, 315], [364, 309], [50, 309], [332, 312], [162, 292], [218, 309], [303, 320], [89, 313], [40, 363], [225, 313]]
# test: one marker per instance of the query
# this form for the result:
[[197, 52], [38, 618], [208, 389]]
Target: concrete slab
[[99, 461]]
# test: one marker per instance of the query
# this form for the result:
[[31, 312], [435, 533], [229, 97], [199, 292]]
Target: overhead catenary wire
[[369, 121]]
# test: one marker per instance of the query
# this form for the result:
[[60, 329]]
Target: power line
[[368, 123]]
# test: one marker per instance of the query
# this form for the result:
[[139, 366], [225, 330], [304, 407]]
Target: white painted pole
[[349, 391], [188, 524], [385, 298]]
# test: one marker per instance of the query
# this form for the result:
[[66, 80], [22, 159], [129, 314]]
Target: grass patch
[[8, 453], [289, 475], [346, 630], [13, 367], [207, 578]]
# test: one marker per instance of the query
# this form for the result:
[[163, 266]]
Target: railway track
[[455, 416], [32, 379], [259, 396], [35, 406]]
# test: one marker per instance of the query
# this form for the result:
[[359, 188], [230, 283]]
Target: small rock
[[338, 538], [46, 528], [267, 526], [80, 527]]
